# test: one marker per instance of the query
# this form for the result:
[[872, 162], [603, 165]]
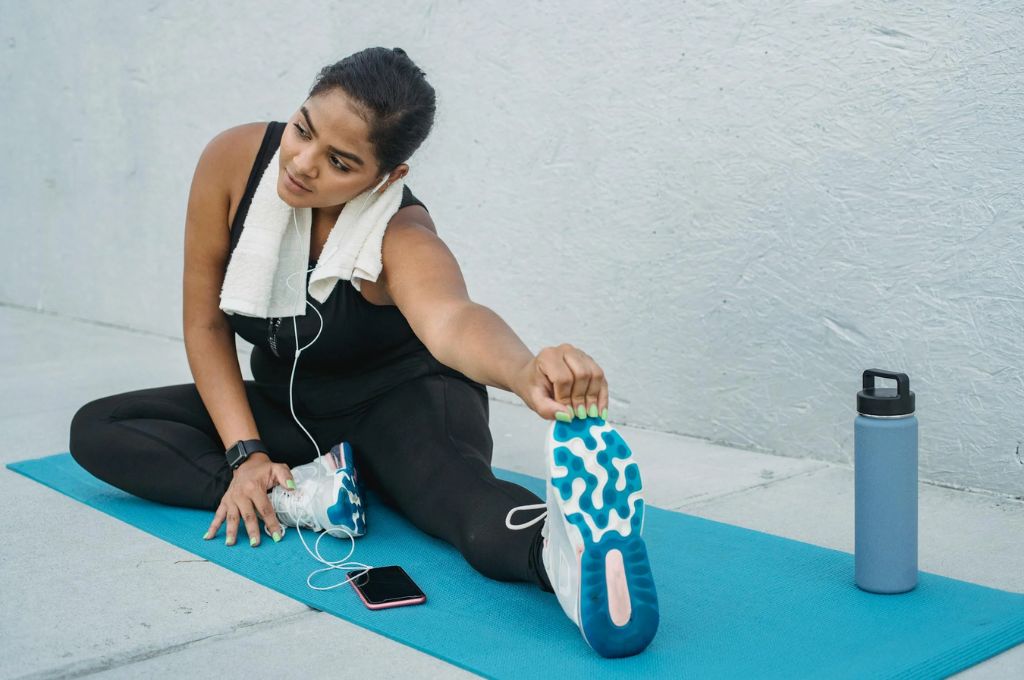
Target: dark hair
[[398, 101]]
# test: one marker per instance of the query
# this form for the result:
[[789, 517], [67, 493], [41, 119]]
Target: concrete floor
[[115, 602]]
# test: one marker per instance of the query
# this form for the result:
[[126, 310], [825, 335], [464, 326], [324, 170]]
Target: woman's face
[[325, 151]]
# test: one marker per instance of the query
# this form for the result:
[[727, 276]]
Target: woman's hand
[[563, 382], [247, 495]]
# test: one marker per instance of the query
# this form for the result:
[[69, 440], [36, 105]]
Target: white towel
[[269, 250]]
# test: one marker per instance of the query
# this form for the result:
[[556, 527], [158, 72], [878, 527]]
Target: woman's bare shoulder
[[241, 134], [228, 158], [235, 149]]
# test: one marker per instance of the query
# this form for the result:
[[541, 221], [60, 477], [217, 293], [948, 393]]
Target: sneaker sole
[[618, 604]]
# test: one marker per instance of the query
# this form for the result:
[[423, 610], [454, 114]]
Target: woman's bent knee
[[88, 438]]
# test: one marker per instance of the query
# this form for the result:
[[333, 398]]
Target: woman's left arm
[[423, 278]]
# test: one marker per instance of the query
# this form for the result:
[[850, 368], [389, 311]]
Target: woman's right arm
[[210, 342]]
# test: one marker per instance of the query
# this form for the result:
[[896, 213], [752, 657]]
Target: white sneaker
[[326, 497], [593, 552]]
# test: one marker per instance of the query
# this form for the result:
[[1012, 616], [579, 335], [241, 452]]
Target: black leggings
[[424, 446]]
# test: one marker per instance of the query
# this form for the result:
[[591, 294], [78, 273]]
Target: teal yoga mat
[[734, 602]]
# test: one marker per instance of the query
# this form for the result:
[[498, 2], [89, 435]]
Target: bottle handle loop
[[902, 381]]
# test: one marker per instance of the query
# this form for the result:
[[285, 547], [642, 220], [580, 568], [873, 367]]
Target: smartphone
[[384, 587]]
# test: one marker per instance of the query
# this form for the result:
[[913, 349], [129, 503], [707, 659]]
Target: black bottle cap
[[885, 401]]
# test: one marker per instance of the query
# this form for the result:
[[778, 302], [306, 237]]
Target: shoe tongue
[[335, 459], [330, 461]]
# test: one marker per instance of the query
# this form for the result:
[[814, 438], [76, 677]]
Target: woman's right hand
[[246, 499]]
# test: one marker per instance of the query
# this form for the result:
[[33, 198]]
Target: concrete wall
[[735, 207]]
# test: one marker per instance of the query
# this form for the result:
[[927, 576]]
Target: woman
[[397, 374]]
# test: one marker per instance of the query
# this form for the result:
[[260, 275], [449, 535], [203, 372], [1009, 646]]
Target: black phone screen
[[385, 584]]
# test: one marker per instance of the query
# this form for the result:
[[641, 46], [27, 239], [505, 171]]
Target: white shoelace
[[516, 527], [290, 505]]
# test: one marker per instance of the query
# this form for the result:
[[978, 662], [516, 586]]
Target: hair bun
[[399, 51]]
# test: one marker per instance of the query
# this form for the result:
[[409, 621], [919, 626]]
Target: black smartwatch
[[242, 449]]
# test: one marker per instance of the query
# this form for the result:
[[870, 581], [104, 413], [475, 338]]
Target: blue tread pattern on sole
[[600, 631]]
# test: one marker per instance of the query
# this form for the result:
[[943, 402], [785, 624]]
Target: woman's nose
[[305, 163]]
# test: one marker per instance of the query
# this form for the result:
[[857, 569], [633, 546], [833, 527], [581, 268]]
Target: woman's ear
[[401, 171], [396, 174]]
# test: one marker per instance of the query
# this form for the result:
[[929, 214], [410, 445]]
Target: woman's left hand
[[563, 380]]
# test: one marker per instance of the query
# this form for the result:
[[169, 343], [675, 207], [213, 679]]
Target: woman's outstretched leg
[[426, 447]]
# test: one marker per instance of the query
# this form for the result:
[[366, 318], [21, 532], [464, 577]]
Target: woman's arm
[[423, 278], [209, 340]]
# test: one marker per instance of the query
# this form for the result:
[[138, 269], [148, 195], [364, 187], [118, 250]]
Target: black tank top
[[357, 335]]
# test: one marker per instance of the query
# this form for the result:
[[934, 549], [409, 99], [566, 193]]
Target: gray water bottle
[[885, 486]]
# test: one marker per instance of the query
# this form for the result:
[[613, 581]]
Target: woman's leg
[[426, 446], [161, 444]]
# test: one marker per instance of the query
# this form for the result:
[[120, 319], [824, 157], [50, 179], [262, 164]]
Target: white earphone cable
[[343, 563]]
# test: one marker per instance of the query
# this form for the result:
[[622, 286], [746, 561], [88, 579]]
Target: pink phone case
[[387, 605]]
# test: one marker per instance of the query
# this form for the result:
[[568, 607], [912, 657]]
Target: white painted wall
[[735, 207]]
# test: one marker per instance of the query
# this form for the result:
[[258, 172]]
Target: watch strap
[[242, 449]]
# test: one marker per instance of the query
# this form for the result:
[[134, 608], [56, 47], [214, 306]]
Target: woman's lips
[[293, 185]]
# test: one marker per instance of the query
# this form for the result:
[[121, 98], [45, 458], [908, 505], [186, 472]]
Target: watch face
[[236, 456]]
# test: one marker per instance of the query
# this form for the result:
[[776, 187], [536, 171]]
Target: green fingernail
[[563, 416], [291, 484], [604, 414], [252, 542], [581, 411], [206, 535], [277, 537], [227, 541], [593, 411]]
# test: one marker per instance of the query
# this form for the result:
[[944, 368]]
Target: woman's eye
[[334, 159]]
